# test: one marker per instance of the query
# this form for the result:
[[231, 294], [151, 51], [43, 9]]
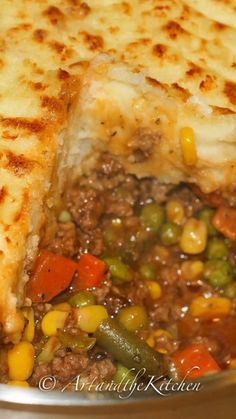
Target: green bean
[[77, 343], [206, 215], [133, 318], [82, 299], [148, 271], [217, 249], [218, 273], [152, 216], [128, 349], [120, 272], [230, 290], [170, 234]]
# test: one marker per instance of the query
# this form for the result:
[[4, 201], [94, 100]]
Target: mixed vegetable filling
[[139, 275]]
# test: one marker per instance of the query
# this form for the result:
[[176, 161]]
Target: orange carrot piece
[[213, 199], [224, 220], [91, 272], [194, 361], [52, 275]]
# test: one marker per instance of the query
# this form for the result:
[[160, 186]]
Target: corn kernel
[[62, 307], [154, 289], [20, 361], [191, 269], [155, 334], [194, 237], [89, 317], [175, 212], [29, 329], [18, 383], [210, 308], [52, 321], [188, 146]]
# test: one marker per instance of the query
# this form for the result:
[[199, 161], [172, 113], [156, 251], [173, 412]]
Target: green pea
[[217, 249], [64, 217], [111, 231], [120, 272], [82, 299], [206, 215], [123, 375], [230, 290], [133, 318], [218, 273], [152, 217], [170, 234], [148, 271], [109, 235]]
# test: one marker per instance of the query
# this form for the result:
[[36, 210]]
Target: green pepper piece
[[47, 353], [77, 343]]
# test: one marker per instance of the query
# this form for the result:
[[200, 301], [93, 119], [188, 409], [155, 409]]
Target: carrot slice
[[194, 361], [212, 199], [91, 272], [224, 220], [52, 275]]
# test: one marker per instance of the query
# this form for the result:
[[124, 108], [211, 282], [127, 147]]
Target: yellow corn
[[62, 307], [175, 212], [20, 361], [194, 237], [90, 317], [28, 334], [188, 146], [210, 308], [154, 289], [191, 269], [155, 334], [52, 321], [18, 383]]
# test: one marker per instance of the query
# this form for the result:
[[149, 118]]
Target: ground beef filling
[[105, 220]]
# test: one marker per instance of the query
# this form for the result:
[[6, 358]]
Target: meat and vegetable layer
[[139, 275]]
